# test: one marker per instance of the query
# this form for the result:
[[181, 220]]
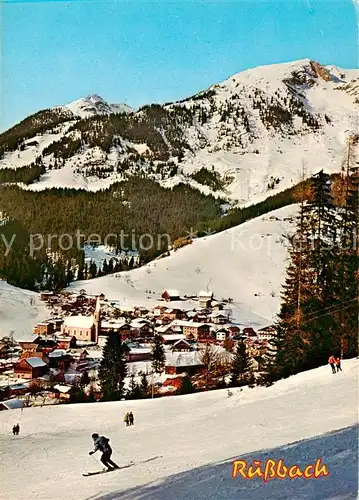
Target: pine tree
[[241, 365], [113, 369], [158, 355], [186, 386], [144, 385]]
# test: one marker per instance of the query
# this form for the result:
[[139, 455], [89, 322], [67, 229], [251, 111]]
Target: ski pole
[[124, 456]]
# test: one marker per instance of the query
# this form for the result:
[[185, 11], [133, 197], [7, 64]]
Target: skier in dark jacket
[[102, 444], [131, 418]]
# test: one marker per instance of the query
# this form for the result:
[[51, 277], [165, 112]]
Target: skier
[[14, 430], [338, 364], [102, 444], [131, 418], [17, 428], [331, 361], [127, 419]]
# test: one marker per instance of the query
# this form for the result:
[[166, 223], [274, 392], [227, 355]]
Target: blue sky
[[145, 51]]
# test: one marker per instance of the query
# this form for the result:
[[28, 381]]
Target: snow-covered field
[[20, 310], [192, 441], [246, 263]]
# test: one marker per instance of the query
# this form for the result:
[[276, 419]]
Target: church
[[85, 328]]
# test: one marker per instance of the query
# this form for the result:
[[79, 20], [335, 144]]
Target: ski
[[86, 474]]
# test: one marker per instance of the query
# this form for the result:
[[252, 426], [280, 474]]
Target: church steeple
[[97, 319]]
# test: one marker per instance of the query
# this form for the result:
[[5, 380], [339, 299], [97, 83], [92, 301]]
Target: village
[[61, 357]]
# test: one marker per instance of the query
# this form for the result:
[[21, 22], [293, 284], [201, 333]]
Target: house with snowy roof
[[183, 362], [169, 295], [204, 298], [29, 368]]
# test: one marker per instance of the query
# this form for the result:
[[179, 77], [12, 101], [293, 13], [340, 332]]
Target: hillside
[[246, 263], [244, 138], [192, 441], [20, 310]]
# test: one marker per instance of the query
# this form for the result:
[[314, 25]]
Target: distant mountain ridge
[[243, 139]]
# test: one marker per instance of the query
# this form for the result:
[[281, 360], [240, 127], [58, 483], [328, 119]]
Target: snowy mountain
[[95, 105], [190, 443], [246, 138]]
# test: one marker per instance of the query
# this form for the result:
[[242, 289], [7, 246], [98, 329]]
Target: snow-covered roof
[[79, 321], [63, 388], [57, 353], [173, 336], [183, 359], [12, 404], [172, 293], [188, 323], [35, 362], [205, 295], [113, 323]]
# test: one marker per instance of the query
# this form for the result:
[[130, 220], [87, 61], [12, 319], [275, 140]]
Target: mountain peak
[[93, 105]]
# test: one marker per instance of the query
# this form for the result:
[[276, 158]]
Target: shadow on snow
[[337, 449]]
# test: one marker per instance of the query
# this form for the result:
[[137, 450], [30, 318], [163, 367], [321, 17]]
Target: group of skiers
[[335, 363], [16, 429], [129, 419]]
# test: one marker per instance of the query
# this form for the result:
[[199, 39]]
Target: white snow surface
[[192, 441], [20, 311], [246, 263]]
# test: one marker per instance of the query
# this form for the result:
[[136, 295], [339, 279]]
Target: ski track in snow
[[196, 437]]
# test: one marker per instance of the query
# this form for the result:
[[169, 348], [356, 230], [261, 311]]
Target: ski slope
[[195, 439], [20, 310], [246, 263]]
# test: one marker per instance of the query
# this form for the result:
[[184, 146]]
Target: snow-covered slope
[[95, 105], [260, 130], [192, 441], [246, 263], [20, 310]]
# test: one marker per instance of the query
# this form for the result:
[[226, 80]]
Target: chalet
[[140, 311], [59, 358], [65, 391], [222, 334], [45, 328], [11, 404], [121, 327], [137, 353], [175, 381], [172, 338], [46, 296], [217, 306], [189, 362], [267, 333], [65, 342], [18, 389], [172, 314], [194, 330], [57, 323], [181, 346], [219, 318], [30, 368], [201, 316], [249, 332], [141, 328], [158, 310], [234, 330], [205, 298], [170, 295]]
